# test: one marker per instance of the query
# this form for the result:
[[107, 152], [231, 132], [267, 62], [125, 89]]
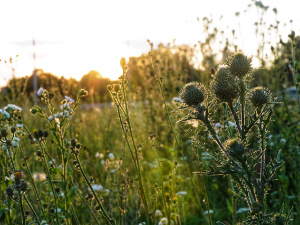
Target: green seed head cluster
[[239, 65], [235, 148], [260, 96], [222, 87], [193, 93]]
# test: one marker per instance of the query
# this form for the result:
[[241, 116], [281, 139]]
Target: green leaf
[[55, 170], [229, 206], [3, 210]]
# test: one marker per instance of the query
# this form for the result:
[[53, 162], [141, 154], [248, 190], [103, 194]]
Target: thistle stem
[[235, 118]]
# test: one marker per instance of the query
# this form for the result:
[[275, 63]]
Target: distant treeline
[[176, 66]]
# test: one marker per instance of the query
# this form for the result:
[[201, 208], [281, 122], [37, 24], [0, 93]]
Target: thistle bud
[[260, 96], [109, 88], [3, 132], [73, 142], [239, 65], [40, 133], [46, 134], [235, 148], [279, 219], [193, 93], [222, 87], [24, 186], [13, 130]]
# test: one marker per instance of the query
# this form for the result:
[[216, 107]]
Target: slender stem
[[74, 214], [109, 220], [262, 164], [22, 209], [31, 208], [235, 118], [33, 185]]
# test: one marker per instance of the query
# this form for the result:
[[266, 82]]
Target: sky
[[74, 37]]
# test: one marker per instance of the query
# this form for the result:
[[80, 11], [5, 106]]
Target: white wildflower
[[43, 222], [181, 193], [113, 171], [19, 125], [40, 91], [158, 213], [17, 139], [99, 155], [52, 161], [231, 124], [6, 114], [102, 162], [111, 156], [270, 136], [242, 210], [96, 187], [107, 191], [176, 99], [50, 118], [64, 106], [218, 125], [39, 176], [282, 140], [142, 223], [69, 99], [13, 107], [163, 221], [208, 211], [15, 144], [272, 144]]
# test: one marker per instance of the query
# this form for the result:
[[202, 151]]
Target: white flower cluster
[[9, 107]]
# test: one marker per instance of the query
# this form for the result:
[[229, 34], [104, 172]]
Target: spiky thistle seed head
[[239, 64], [260, 96], [222, 87], [193, 93], [235, 148]]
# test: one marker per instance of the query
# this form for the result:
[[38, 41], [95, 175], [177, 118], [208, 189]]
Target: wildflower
[[270, 136], [19, 125], [193, 93], [239, 65], [158, 213], [99, 155], [17, 139], [43, 222], [272, 144], [39, 176], [142, 223], [15, 144], [111, 156], [218, 125], [6, 114], [222, 87], [176, 99], [260, 96], [181, 193], [13, 107], [40, 91], [69, 99], [113, 171], [282, 140], [65, 105], [163, 221], [208, 211], [107, 191], [96, 187], [231, 124], [50, 118], [242, 210]]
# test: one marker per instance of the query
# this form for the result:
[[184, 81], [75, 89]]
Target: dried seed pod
[[193, 93], [239, 64], [222, 87], [260, 96]]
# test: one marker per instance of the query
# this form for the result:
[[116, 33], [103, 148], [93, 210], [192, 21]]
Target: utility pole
[[35, 84]]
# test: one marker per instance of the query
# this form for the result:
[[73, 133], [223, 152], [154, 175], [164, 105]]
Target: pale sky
[[74, 37]]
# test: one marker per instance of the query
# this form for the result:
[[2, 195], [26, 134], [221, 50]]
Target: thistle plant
[[236, 157]]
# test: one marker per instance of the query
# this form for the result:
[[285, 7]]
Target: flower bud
[[260, 96], [239, 65], [40, 133], [235, 148], [123, 62], [222, 87], [193, 93], [24, 186], [13, 130], [46, 134], [3, 132]]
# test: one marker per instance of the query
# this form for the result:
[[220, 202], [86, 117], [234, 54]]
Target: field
[[166, 143]]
